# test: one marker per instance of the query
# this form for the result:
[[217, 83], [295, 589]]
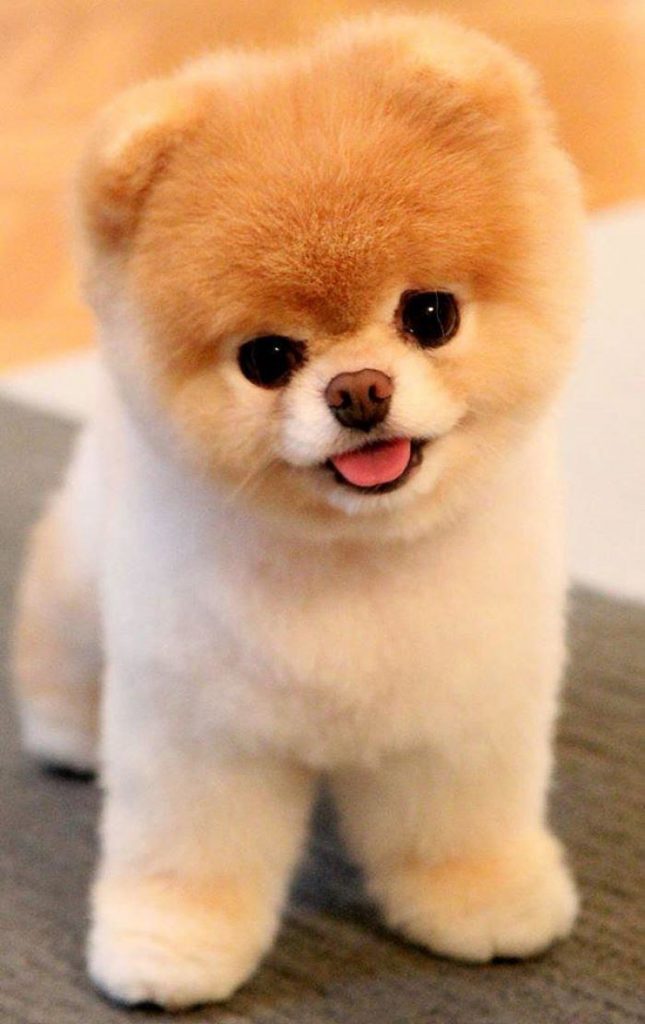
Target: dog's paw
[[513, 902], [58, 742], [162, 942]]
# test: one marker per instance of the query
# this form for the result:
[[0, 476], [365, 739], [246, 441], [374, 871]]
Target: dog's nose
[[361, 399]]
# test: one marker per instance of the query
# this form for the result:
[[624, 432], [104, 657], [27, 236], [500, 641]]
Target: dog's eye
[[270, 360], [432, 318]]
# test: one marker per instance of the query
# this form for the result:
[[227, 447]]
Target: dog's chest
[[327, 653], [331, 661]]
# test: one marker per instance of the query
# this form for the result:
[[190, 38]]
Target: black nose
[[360, 400]]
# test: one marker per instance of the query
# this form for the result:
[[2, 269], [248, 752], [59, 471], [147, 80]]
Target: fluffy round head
[[390, 200]]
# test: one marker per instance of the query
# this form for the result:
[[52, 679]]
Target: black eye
[[430, 317], [270, 360]]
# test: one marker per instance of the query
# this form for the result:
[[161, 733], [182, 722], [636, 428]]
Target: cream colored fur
[[409, 646]]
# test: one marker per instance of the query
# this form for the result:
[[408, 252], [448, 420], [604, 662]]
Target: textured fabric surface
[[333, 963]]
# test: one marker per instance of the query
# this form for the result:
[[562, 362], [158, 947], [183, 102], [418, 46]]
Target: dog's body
[[265, 613]]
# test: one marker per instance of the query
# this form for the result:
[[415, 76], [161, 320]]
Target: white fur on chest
[[331, 652]]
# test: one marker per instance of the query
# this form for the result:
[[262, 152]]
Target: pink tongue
[[375, 464]]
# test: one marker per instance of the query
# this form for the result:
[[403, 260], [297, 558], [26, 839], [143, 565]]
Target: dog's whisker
[[251, 482]]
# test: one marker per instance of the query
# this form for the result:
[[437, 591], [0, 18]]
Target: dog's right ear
[[127, 152]]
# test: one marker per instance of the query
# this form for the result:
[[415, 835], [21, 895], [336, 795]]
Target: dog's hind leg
[[56, 653]]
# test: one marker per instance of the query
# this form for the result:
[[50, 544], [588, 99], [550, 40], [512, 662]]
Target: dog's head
[[338, 277]]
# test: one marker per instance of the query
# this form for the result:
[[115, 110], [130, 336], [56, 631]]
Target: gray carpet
[[333, 962]]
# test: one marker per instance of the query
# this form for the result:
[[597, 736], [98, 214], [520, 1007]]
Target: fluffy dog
[[314, 526]]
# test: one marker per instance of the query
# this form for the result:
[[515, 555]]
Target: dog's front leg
[[456, 850], [198, 846]]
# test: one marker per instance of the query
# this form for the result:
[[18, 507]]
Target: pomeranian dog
[[314, 527]]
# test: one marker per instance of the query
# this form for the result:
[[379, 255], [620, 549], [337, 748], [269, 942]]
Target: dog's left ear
[[128, 151], [462, 68], [495, 81]]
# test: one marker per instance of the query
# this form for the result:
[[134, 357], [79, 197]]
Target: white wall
[[604, 413]]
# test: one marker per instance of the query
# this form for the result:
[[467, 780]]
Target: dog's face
[[349, 274]]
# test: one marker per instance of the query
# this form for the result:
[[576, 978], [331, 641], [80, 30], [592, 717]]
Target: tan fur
[[263, 622], [261, 223], [216, 917], [460, 897], [57, 668]]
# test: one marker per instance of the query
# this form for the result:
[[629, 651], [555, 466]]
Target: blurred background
[[62, 59]]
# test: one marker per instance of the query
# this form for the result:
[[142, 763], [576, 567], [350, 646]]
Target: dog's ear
[[458, 67], [501, 85], [128, 150]]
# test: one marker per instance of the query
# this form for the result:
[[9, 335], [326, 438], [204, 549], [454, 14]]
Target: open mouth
[[377, 467]]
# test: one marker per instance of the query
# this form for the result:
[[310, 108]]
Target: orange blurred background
[[63, 58]]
